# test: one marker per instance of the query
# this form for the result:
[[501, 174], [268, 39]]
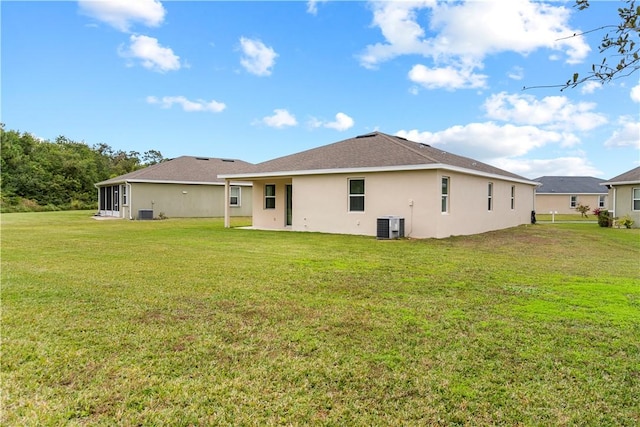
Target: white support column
[[226, 203]]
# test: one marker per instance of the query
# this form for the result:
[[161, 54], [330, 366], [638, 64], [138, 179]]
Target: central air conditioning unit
[[145, 214], [390, 227]]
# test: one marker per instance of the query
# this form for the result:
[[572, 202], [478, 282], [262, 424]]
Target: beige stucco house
[[348, 186], [182, 187], [563, 194], [624, 195]]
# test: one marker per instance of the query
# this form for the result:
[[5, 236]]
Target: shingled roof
[[375, 150], [184, 170], [570, 185], [629, 177]]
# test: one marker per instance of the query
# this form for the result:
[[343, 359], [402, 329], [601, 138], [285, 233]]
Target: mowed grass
[[184, 322]]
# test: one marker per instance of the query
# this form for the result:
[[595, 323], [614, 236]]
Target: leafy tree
[[620, 43], [38, 174]]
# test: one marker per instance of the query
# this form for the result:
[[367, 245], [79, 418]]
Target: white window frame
[[602, 200], [125, 198], [353, 196], [635, 199], [490, 196], [269, 197], [513, 197], [238, 197], [445, 192], [573, 201]]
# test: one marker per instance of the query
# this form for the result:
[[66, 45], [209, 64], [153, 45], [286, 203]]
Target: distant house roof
[[629, 177], [570, 185], [371, 152], [183, 170]]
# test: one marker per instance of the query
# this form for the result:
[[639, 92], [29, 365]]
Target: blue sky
[[259, 80]]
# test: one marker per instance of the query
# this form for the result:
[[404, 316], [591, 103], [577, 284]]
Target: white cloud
[[122, 14], [280, 119], [516, 73], [460, 35], [552, 112], [152, 56], [187, 105], [628, 135], [635, 93], [258, 59], [312, 6], [589, 87], [341, 123], [560, 166], [447, 78], [486, 141]]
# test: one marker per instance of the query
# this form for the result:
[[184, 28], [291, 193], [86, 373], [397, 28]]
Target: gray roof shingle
[[632, 176], [184, 169], [570, 185], [373, 150]]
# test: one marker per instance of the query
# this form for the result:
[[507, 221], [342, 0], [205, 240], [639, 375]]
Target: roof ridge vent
[[367, 135], [423, 145], [202, 158], [228, 160]]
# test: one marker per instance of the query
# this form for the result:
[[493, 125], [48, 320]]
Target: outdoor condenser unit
[[145, 214], [390, 227]]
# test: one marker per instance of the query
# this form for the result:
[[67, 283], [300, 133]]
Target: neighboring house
[[346, 187], [182, 187], [563, 194], [624, 195]]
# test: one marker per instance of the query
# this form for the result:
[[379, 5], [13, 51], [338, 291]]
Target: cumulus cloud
[[635, 93], [589, 87], [280, 119], [257, 58], [446, 78], [122, 14], [150, 53], [187, 105], [627, 135], [560, 166], [341, 123], [552, 112], [459, 35], [486, 141]]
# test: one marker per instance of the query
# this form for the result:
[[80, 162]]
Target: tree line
[[39, 175]]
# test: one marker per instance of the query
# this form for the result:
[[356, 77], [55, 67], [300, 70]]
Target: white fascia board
[[155, 181], [571, 194], [621, 183], [377, 169]]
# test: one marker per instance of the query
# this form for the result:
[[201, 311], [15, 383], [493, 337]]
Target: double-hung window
[[234, 196], [445, 195], [356, 195], [601, 200], [636, 199], [490, 196], [270, 196], [573, 202], [124, 195]]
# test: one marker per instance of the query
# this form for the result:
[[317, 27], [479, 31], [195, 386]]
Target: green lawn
[[184, 322]]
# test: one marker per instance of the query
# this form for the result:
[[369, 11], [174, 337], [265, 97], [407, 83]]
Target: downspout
[[130, 197], [614, 200], [226, 203]]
